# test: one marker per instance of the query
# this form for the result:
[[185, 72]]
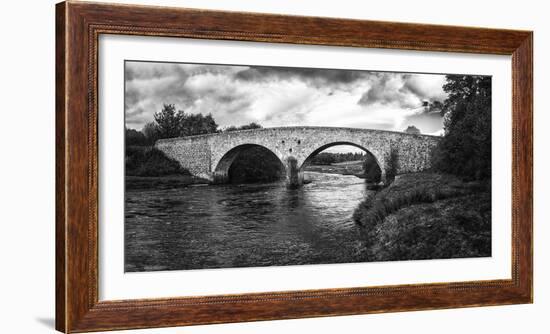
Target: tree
[[411, 129], [135, 138], [168, 121], [231, 128], [151, 132], [170, 124], [371, 169], [435, 106], [195, 124], [465, 88], [392, 164], [465, 150], [323, 158], [249, 126]]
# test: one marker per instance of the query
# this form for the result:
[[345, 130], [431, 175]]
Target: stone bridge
[[210, 156]]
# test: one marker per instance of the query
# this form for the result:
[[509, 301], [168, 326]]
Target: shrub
[[391, 165], [371, 169]]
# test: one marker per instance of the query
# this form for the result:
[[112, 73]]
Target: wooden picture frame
[[78, 26]]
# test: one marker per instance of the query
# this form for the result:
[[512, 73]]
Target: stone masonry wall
[[414, 152], [193, 153], [204, 155]]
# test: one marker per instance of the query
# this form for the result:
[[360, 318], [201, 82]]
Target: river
[[247, 225]]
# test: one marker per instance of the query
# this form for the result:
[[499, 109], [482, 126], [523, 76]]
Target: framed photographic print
[[222, 167]]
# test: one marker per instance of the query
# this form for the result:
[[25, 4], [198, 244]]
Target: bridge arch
[[375, 155], [221, 173]]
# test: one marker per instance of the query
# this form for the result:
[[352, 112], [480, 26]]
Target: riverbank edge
[[134, 182], [162, 182], [401, 220]]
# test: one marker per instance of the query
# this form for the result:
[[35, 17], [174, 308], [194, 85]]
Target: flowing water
[[246, 225]]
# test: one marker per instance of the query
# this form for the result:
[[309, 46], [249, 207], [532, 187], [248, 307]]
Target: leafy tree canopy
[[465, 150], [151, 132], [171, 123], [412, 130], [135, 138], [250, 126]]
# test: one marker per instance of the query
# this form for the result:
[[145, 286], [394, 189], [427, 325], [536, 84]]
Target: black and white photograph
[[247, 166]]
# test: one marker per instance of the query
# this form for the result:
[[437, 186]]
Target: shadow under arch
[[347, 143], [222, 172]]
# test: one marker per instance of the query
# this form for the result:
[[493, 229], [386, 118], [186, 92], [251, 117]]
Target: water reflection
[[244, 225]]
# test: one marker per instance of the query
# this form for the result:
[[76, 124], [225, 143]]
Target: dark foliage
[[148, 161], [327, 158], [256, 164], [371, 169], [196, 124], [135, 138], [323, 158], [170, 124], [151, 132], [243, 127], [465, 150], [392, 161], [413, 130]]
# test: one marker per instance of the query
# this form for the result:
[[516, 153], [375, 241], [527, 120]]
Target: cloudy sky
[[278, 96]]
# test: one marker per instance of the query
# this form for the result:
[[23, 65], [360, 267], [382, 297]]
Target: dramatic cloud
[[318, 78], [406, 91], [276, 96]]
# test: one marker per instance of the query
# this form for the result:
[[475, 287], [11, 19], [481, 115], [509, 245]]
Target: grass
[[148, 161], [427, 216], [411, 189]]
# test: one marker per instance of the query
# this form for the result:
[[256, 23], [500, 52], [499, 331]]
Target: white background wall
[[27, 145]]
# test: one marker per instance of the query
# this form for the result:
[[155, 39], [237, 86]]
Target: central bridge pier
[[211, 156]]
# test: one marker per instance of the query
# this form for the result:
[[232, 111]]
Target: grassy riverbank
[[149, 168], [427, 215], [148, 161]]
